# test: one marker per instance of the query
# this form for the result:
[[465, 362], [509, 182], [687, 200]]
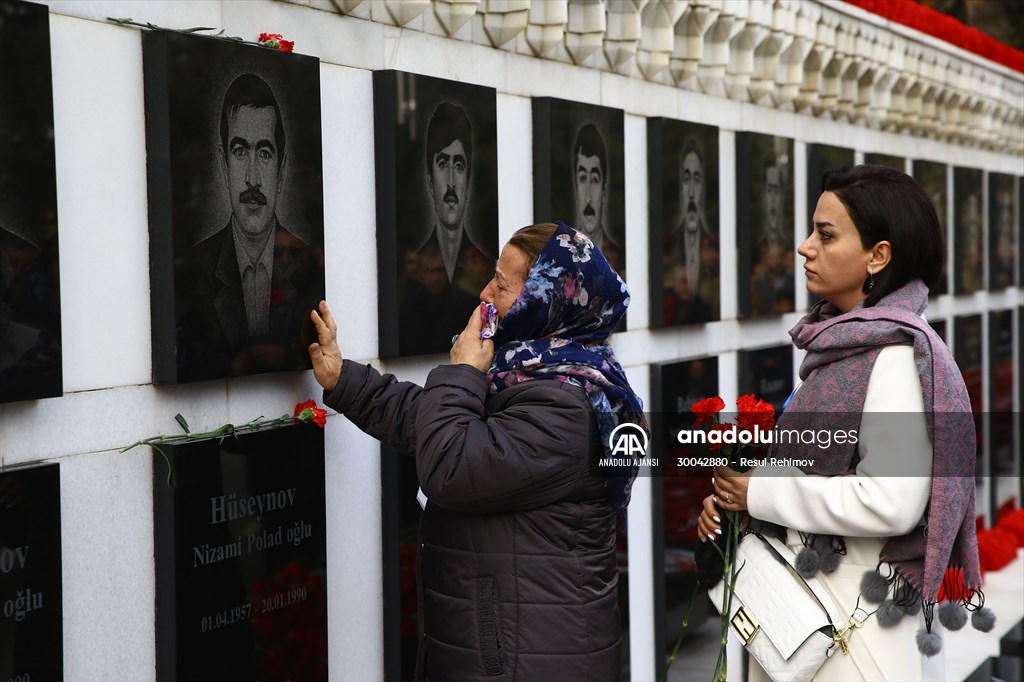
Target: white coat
[[865, 508]]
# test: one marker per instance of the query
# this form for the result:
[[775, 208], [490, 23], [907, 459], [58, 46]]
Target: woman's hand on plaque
[[325, 352]]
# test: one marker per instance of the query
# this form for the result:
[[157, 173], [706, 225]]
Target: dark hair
[[885, 204], [249, 90], [590, 143], [448, 123], [690, 144], [531, 241]]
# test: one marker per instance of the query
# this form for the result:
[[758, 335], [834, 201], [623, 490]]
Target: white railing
[[821, 58]]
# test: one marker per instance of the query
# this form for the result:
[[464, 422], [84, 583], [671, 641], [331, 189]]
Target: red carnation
[[308, 412], [705, 409], [274, 41], [755, 412]]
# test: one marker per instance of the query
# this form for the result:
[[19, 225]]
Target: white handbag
[[787, 622]]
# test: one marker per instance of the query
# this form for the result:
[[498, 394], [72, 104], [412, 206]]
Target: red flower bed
[[944, 27], [996, 548], [1013, 523]]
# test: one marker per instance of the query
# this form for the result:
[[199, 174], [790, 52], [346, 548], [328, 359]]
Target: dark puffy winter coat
[[517, 565]]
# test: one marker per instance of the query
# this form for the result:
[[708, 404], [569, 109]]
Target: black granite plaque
[[897, 162], [240, 550], [931, 175], [821, 158], [1000, 413], [682, 171], [236, 215], [400, 517], [1003, 249], [677, 493], [436, 161], [968, 227], [579, 173], [31, 618], [767, 373], [967, 353], [1019, 413], [764, 225], [1020, 233], [30, 326]]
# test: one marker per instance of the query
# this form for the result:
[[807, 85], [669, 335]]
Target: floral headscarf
[[557, 329]]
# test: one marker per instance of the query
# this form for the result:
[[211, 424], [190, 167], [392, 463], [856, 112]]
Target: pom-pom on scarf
[[557, 329]]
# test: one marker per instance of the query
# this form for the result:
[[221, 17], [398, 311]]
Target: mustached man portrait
[[248, 211]]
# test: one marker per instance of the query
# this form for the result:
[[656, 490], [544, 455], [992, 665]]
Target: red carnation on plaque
[[308, 412], [275, 42], [305, 413]]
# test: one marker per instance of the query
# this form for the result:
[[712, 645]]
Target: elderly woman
[[517, 561], [878, 520]]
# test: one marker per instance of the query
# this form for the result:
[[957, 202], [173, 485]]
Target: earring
[[871, 281]]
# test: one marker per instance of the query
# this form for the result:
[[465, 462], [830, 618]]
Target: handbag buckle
[[746, 625], [843, 638], [857, 619]]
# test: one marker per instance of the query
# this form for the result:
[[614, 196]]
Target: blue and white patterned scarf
[[558, 328]]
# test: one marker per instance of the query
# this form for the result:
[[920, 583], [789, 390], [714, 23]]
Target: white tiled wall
[[107, 562], [515, 164], [99, 127], [350, 228]]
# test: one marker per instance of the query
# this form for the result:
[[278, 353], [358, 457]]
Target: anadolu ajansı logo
[[629, 440]]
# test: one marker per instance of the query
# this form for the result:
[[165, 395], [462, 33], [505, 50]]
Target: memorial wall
[[172, 203]]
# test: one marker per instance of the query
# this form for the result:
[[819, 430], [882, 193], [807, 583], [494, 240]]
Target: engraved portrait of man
[[691, 295], [446, 279], [765, 212], [236, 206], [253, 286], [449, 156], [590, 192], [692, 224]]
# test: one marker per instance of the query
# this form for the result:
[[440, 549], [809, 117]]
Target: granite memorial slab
[[31, 613], [240, 544]]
